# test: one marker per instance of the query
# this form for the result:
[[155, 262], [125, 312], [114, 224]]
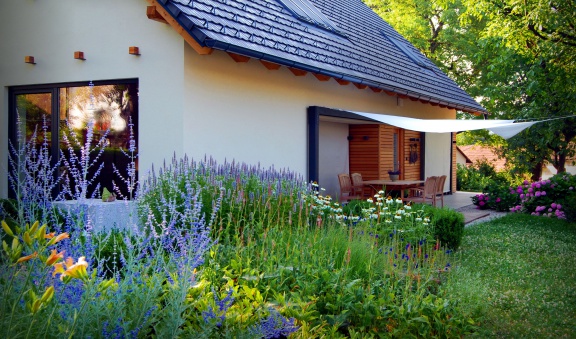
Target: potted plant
[[394, 174]]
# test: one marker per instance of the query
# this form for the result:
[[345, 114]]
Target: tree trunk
[[537, 171], [560, 163]]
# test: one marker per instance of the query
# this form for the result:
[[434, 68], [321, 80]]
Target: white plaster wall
[[188, 103], [51, 30], [437, 160], [245, 112], [549, 171], [334, 156], [460, 159]]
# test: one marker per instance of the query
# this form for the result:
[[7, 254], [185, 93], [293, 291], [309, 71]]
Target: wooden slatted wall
[[386, 155], [454, 167], [363, 150], [371, 150], [411, 171]]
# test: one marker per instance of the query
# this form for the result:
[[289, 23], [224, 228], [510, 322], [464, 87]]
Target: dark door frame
[[314, 113]]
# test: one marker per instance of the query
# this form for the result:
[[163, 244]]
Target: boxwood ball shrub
[[448, 226], [569, 204]]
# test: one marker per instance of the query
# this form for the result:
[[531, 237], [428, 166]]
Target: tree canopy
[[518, 58]]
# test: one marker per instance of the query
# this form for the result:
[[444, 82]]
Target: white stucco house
[[262, 81]]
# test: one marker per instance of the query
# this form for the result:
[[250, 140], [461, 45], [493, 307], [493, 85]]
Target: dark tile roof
[[358, 51]]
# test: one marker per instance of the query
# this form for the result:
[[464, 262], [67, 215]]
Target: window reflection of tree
[[110, 106], [34, 110]]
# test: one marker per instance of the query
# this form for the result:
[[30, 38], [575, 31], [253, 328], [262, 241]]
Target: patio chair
[[439, 192], [347, 191], [425, 194], [358, 186]]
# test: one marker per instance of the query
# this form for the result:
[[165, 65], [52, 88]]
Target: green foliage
[[232, 196], [552, 197], [291, 262], [516, 274], [495, 186], [110, 247], [524, 47], [482, 177], [342, 280], [365, 268], [469, 179], [448, 226]]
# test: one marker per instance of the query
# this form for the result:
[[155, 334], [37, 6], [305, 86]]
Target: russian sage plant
[[32, 177]]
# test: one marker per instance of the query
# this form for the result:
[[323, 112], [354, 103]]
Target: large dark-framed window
[[111, 107]]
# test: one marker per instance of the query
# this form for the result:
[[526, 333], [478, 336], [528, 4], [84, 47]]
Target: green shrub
[[448, 226], [109, 248], [481, 175], [569, 204], [551, 198], [502, 196], [498, 194], [470, 179]]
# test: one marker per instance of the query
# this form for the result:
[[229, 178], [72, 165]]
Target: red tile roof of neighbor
[[478, 153]]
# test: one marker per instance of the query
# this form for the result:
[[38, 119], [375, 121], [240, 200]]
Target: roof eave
[[204, 45]]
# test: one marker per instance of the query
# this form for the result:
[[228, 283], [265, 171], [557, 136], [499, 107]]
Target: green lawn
[[518, 273]]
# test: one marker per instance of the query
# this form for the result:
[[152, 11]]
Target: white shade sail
[[504, 128]]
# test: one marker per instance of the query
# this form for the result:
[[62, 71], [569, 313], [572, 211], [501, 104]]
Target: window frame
[[305, 11], [54, 89]]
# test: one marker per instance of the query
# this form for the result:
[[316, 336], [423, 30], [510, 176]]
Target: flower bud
[[7, 228]]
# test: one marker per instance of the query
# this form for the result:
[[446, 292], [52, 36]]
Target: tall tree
[[516, 57], [532, 75]]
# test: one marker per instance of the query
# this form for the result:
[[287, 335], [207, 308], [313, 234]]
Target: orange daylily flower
[[28, 257], [73, 270], [49, 235], [58, 238], [54, 257], [58, 268], [78, 270]]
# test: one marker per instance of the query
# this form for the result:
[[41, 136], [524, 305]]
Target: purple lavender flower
[[274, 326], [222, 307]]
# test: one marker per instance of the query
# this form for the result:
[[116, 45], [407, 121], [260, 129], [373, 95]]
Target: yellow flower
[[73, 270], [58, 268], [54, 257], [28, 257]]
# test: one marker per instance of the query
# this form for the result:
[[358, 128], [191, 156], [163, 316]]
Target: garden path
[[462, 202]]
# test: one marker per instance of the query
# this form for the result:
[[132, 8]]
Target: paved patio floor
[[462, 202]]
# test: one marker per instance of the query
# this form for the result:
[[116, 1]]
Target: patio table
[[394, 185]]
